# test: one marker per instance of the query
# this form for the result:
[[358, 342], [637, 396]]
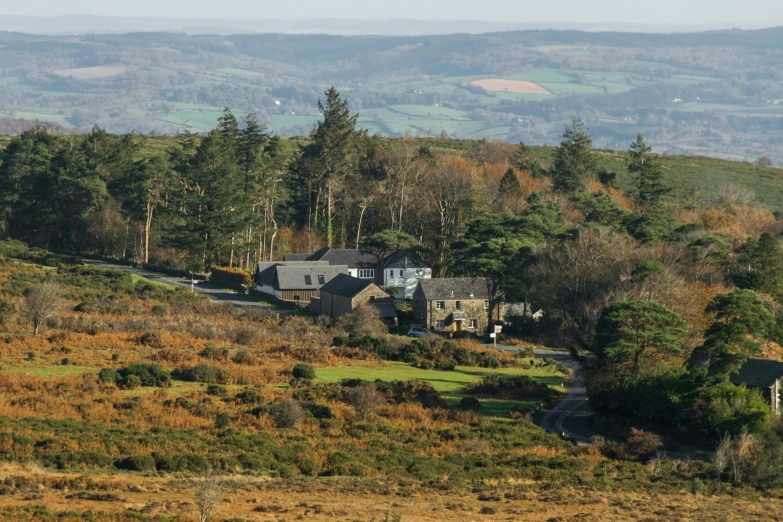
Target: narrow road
[[215, 295], [571, 416]]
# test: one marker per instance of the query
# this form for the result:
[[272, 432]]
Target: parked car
[[421, 332]]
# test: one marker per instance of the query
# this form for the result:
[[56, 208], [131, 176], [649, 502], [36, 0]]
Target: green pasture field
[[430, 111], [450, 384], [53, 118], [571, 88], [239, 72], [203, 120], [518, 96], [541, 75], [288, 120]]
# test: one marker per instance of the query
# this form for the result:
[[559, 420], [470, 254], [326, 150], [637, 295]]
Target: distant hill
[[715, 93]]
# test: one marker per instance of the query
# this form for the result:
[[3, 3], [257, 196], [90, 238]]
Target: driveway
[[571, 416], [215, 295]]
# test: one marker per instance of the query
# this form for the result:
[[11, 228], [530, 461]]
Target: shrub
[[245, 335], [108, 375], [643, 444], [149, 374], [249, 396], [426, 364], [469, 403], [7, 310], [303, 371], [287, 413], [131, 382], [136, 463], [160, 310], [216, 354], [243, 357], [205, 373], [222, 420], [319, 411], [509, 387], [365, 400], [493, 362], [446, 365], [217, 390]]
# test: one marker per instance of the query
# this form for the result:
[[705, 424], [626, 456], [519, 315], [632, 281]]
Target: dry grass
[[319, 501]]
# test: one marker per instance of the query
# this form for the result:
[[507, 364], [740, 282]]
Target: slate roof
[[454, 289], [292, 277], [266, 271], [759, 373], [386, 308], [345, 286], [397, 260], [354, 258]]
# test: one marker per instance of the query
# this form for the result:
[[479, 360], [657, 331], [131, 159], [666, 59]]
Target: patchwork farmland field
[[93, 73], [520, 86], [505, 86]]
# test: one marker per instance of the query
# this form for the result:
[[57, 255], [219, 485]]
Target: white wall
[[392, 277]]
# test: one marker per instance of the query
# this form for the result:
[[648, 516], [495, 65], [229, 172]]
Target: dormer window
[[308, 280], [321, 280]]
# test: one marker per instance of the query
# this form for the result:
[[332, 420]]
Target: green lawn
[[451, 385]]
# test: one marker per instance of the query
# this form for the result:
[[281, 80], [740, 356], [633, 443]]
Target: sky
[[722, 13]]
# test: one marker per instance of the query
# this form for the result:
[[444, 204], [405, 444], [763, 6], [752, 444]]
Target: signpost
[[494, 336]]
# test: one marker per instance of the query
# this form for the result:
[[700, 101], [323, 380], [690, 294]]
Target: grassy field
[[450, 384]]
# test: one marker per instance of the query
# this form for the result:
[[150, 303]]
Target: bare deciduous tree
[[365, 400], [365, 320], [42, 302], [208, 492], [722, 456]]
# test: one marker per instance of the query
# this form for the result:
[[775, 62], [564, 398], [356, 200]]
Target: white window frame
[[472, 324], [486, 304], [440, 305], [440, 324], [366, 273]]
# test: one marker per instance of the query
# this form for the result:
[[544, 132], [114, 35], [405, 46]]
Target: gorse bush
[[205, 373], [303, 371], [135, 375], [509, 387]]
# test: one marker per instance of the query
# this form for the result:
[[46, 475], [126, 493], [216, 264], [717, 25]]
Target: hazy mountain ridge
[[717, 93]]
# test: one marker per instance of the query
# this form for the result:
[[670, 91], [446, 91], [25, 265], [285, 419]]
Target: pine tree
[[523, 158], [574, 159], [509, 185], [759, 267], [327, 162], [649, 177], [509, 192]]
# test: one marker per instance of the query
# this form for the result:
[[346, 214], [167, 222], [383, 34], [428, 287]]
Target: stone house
[[344, 293], [764, 375], [454, 305]]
